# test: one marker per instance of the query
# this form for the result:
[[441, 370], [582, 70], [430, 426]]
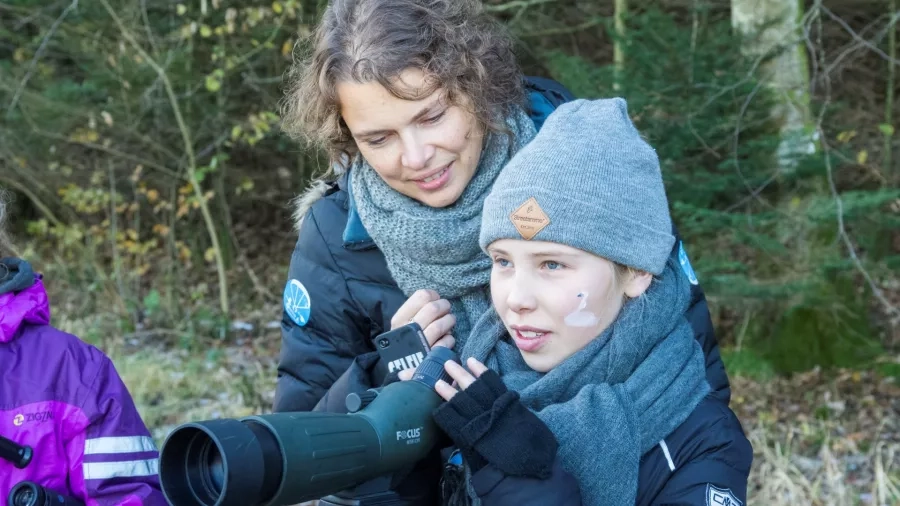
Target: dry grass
[[823, 440], [782, 477], [172, 384]]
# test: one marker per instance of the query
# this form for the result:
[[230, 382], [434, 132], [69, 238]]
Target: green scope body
[[288, 458]]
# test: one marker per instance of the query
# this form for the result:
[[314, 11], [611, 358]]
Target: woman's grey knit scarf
[[615, 399], [437, 249]]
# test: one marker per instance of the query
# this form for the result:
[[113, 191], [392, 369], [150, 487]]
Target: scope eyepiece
[[432, 368], [28, 493], [19, 455]]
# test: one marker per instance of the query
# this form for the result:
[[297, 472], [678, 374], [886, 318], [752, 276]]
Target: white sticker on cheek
[[580, 317]]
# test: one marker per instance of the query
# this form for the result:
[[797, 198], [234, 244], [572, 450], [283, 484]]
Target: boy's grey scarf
[[614, 400]]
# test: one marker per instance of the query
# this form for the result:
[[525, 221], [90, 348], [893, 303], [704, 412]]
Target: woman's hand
[[431, 313]]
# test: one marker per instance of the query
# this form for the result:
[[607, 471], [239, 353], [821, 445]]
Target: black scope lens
[[220, 463]]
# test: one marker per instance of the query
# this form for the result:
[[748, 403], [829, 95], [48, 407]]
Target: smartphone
[[402, 348]]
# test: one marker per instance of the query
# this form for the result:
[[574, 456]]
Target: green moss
[[747, 363]]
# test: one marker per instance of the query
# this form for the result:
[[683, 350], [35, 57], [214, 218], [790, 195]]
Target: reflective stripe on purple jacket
[[64, 398]]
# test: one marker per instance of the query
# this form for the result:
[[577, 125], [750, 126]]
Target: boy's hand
[[461, 377], [489, 424]]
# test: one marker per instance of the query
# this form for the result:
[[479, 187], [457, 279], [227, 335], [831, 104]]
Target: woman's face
[[555, 299], [426, 149]]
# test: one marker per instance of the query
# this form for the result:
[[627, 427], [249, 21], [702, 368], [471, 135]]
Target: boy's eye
[[375, 142]]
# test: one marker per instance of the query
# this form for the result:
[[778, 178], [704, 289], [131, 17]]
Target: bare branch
[[561, 31], [146, 20], [861, 40], [189, 150], [515, 4], [892, 311], [854, 46], [24, 190], [99, 147], [38, 54], [754, 193]]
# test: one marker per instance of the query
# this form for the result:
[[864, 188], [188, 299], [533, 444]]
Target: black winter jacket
[[704, 462]]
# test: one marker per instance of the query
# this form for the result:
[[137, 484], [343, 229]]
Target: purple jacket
[[64, 398]]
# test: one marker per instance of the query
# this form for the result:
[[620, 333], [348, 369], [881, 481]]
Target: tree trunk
[[621, 10], [771, 29]]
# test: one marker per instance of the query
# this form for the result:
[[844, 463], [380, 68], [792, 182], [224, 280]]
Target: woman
[[88, 441], [419, 104], [587, 332]]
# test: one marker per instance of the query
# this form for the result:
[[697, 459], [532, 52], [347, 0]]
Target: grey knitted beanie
[[587, 180]]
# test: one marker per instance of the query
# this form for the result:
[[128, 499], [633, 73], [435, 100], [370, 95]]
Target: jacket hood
[[316, 190], [23, 299]]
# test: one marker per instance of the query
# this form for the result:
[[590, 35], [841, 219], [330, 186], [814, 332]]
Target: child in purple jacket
[[63, 398]]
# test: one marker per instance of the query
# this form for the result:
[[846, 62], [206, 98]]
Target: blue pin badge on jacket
[[686, 264], [296, 302]]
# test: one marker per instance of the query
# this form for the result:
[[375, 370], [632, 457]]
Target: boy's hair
[[623, 273], [458, 46]]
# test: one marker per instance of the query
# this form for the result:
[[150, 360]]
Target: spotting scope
[[288, 458]]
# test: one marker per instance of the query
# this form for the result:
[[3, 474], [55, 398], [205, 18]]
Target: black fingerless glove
[[490, 426]]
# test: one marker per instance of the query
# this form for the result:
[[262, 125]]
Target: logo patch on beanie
[[529, 219]]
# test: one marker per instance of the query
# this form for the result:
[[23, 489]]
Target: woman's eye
[[375, 142], [552, 266], [435, 118], [502, 262]]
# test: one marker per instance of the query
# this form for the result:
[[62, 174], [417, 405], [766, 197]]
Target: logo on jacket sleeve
[[720, 497], [37, 417], [296, 302]]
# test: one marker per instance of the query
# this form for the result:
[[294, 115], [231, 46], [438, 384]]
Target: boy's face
[[555, 299]]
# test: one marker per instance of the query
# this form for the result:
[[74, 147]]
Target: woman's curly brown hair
[[461, 49]]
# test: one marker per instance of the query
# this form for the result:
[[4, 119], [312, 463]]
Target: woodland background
[[140, 141]]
